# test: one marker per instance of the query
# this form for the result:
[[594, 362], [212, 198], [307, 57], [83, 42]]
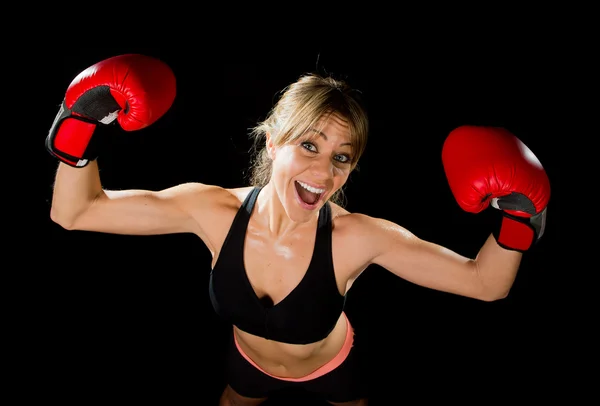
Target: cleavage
[[275, 268]]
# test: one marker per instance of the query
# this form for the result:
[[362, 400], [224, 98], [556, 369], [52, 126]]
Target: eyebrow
[[322, 134]]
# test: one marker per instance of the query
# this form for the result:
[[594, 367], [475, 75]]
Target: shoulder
[[199, 197], [210, 193], [213, 208], [360, 239], [368, 229], [239, 193], [344, 220]]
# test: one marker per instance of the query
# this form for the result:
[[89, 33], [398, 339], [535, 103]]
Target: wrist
[[70, 138], [519, 233]]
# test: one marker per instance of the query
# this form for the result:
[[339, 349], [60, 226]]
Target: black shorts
[[343, 384]]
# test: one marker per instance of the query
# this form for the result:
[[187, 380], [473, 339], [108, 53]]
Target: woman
[[285, 251]]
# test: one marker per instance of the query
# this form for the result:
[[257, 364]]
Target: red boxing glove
[[134, 89], [490, 166]]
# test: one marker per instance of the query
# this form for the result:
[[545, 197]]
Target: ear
[[270, 147]]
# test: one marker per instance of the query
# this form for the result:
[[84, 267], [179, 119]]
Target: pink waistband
[[330, 366]]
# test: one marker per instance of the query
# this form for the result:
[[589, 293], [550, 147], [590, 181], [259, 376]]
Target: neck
[[271, 209]]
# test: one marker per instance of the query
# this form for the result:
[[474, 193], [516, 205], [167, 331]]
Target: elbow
[[69, 216], [494, 295], [490, 290], [62, 220]]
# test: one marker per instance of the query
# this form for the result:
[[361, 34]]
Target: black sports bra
[[308, 314]]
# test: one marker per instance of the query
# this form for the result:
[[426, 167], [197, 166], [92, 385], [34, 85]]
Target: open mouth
[[307, 194]]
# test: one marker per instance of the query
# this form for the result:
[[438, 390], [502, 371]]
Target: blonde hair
[[299, 108]]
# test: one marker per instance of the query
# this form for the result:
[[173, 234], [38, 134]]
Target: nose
[[322, 168]]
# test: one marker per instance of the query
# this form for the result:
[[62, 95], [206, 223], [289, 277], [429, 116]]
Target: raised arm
[[485, 167], [133, 91], [80, 203], [489, 276]]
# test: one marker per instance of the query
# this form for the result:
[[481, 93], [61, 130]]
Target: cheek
[[288, 161], [283, 165], [340, 177], [341, 174]]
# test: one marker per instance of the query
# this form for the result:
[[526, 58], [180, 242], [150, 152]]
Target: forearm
[[75, 189], [497, 267]]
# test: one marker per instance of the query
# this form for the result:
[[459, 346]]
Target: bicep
[[425, 263], [141, 212]]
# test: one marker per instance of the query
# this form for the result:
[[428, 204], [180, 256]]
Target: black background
[[129, 317]]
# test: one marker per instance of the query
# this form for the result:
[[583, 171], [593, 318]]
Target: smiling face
[[315, 135], [308, 170]]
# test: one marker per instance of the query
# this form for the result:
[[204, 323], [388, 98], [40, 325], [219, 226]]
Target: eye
[[309, 146], [342, 158]]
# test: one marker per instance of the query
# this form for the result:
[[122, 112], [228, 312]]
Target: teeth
[[310, 188]]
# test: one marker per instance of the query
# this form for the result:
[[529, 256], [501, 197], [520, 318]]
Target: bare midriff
[[297, 362]]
